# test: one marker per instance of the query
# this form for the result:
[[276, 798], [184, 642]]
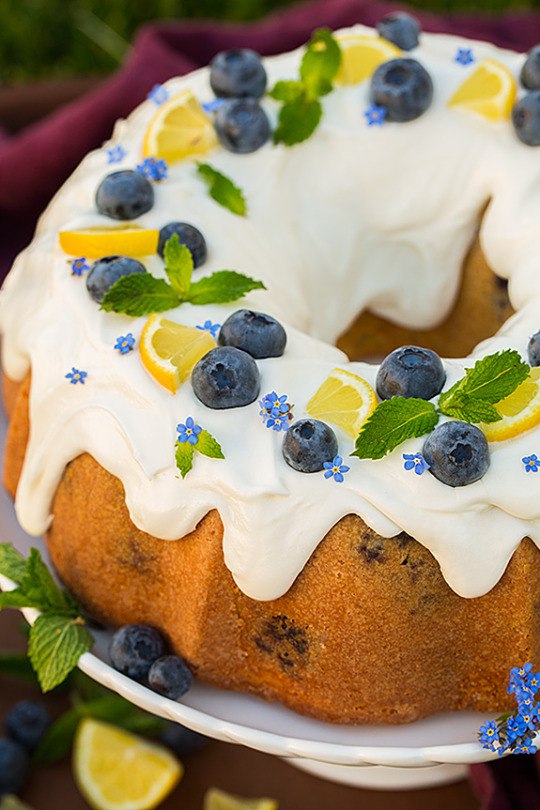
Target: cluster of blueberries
[[25, 725]]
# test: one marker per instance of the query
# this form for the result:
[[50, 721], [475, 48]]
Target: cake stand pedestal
[[383, 777]]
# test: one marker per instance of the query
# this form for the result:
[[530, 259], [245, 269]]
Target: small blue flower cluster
[[208, 326], [464, 56], [275, 411], [532, 463], [125, 343], [336, 469], [415, 462], [514, 733], [153, 168], [188, 432], [158, 94], [79, 266], [76, 375], [116, 154], [375, 115]]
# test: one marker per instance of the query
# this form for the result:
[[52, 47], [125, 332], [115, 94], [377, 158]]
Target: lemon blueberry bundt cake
[[358, 541]]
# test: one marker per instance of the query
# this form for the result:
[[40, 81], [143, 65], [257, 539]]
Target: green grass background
[[47, 38]]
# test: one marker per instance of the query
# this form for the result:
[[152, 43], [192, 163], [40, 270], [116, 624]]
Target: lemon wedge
[[490, 91], [93, 243], [219, 800], [179, 129], [169, 350], [361, 55], [520, 411], [116, 770], [345, 400]]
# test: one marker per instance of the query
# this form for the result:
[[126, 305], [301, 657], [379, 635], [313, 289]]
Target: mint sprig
[[58, 637], [301, 109], [222, 189], [185, 452], [142, 293], [471, 399]]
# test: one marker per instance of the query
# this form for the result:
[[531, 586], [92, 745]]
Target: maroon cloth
[[37, 161]]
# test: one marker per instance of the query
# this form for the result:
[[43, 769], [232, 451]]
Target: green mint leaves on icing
[[58, 637], [471, 399], [301, 109], [185, 452], [142, 293], [222, 189]]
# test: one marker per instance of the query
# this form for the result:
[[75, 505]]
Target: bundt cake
[[378, 198]]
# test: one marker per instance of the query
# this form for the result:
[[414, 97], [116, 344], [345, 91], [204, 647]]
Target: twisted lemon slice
[[179, 129], [116, 770], [520, 411], [169, 350], [345, 400], [489, 91], [93, 243], [361, 55]]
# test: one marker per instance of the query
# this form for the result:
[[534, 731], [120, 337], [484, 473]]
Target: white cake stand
[[422, 754]]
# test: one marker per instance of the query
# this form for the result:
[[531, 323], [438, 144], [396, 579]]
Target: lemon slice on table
[[219, 800], [179, 129], [490, 91], [116, 770], [361, 55], [93, 243], [345, 400], [169, 350], [520, 411]]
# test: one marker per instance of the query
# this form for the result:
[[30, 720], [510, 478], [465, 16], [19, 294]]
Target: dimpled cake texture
[[388, 596]]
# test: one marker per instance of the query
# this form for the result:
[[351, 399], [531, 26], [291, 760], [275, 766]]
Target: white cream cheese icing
[[356, 217]]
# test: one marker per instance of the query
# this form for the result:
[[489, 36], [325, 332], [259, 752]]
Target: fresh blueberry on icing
[[242, 125], [526, 118], [238, 72], [530, 72], [124, 195], [26, 723], [14, 766], [403, 87], [226, 378], [400, 28], [188, 235], [410, 371], [533, 350], [134, 648], [308, 444], [170, 676], [106, 271], [457, 453], [257, 334]]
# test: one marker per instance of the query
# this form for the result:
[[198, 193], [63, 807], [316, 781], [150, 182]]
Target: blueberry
[[526, 118], [410, 371], [257, 334], [533, 350], [13, 766], [124, 195], [308, 444], [238, 72], [134, 648], [530, 72], [403, 87], [27, 722], [106, 271], [170, 676], [457, 453], [182, 740], [242, 125], [400, 28], [188, 235], [226, 378]]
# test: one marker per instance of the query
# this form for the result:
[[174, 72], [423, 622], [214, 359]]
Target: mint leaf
[[140, 294], [37, 589], [297, 121], [287, 90], [491, 379], [184, 457], [473, 410], [178, 265], [12, 564], [208, 446], [222, 189], [55, 645], [222, 287], [58, 739], [393, 422], [320, 63]]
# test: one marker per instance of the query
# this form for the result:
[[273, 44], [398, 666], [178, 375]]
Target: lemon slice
[[116, 770], [520, 411], [345, 400], [219, 800], [361, 55], [179, 129], [93, 243], [489, 91], [169, 350]]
